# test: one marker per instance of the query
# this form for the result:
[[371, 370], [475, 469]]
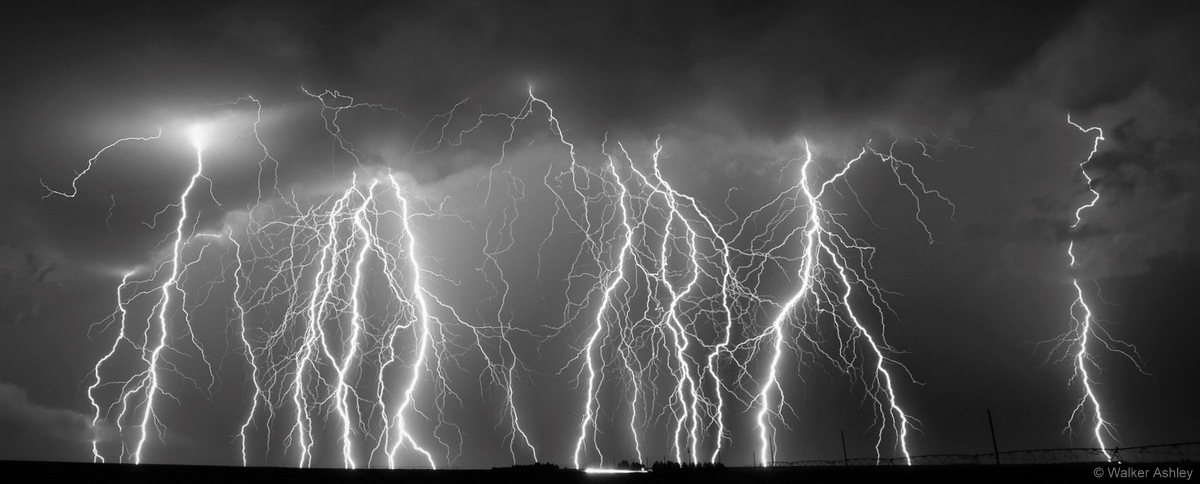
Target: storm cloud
[[23, 419], [732, 90]]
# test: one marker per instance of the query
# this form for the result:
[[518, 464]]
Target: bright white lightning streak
[[147, 382], [501, 368], [831, 241], [688, 406], [96, 456], [315, 371], [164, 302], [92, 161], [238, 275], [680, 339], [351, 206], [672, 258], [664, 325], [810, 247], [580, 180], [728, 289], [423, 341], [355, 329], [679, 333], [1086, 328], [617, 276], [325, 305], [312, 332]]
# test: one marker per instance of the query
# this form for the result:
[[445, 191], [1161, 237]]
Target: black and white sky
[[732, 88]]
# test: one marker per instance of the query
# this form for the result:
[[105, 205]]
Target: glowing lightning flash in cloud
[[314, 357]]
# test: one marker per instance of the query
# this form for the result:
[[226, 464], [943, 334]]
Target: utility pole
[[845, 457], [995, 449]]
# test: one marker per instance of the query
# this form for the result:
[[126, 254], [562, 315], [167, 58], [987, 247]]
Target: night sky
[[733, 90]]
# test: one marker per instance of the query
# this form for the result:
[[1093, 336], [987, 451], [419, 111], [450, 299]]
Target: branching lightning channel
[[1079, 343], [92, 161], [351, 345], [319, 343], [147, 384], [833, 280], [667, 279], [664, 288], [339, 351]]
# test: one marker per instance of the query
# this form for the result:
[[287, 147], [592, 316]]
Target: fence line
[[1174, 452]]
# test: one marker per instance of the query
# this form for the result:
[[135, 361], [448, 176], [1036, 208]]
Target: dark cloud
[[21, 418], [31, 271], [1115, 50], [770, 68], [1121, 67], [30, 283], [731, 87]]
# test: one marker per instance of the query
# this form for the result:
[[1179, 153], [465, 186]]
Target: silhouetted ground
[[14, 471]]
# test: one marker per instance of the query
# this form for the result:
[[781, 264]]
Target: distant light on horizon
[[599, 470]]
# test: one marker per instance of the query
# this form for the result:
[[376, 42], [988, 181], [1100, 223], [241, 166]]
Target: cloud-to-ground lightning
[[146, 383], [664, 289], [832, 278], [319, 344], [645, 249], [1080, 342], [351, 348]]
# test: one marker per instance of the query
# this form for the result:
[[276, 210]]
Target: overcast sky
[[732, 89]]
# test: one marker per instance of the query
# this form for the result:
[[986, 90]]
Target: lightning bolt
[[119, 317], [663, 271], [346, 338], [311, 269], [1079, 342], [238, 277], [831, 258], [148, 382], [650, 309], [335, 337], [163, 303]]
